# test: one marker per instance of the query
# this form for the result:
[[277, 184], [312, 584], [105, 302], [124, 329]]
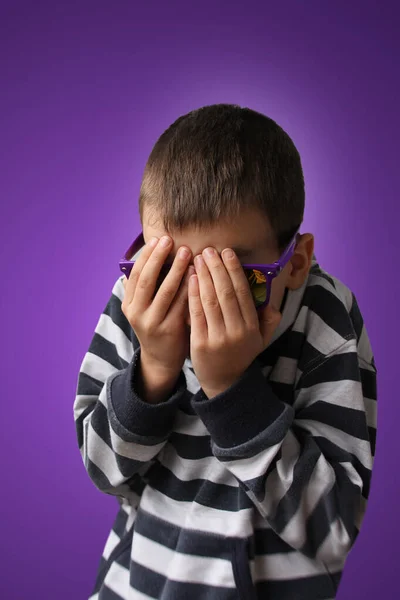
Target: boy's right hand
[[159, 320]]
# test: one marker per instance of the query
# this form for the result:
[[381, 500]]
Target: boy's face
[[250, 236]]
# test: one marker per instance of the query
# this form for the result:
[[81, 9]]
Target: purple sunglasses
[[259, 276]]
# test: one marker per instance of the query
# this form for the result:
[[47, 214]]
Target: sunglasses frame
[[270, 271]]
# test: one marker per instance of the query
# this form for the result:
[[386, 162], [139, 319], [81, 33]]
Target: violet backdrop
[[85, 90]]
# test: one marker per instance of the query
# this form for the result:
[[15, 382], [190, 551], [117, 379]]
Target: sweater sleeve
[[306, 467], [119, 434]]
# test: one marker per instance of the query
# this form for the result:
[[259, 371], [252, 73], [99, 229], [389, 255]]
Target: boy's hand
[[159, 322], [226, 332]]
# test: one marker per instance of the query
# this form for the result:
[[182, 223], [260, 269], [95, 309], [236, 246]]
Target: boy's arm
[[119, 433], [307, 469]]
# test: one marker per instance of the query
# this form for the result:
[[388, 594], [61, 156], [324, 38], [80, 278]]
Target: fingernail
[[165, 241], [198, 260], [153, 242], [209, 252], [183, 252], [228, 253]]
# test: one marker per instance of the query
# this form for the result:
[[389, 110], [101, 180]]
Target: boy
[[231, 410]]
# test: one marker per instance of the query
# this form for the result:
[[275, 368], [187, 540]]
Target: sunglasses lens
[[258, 285], [257, 281]]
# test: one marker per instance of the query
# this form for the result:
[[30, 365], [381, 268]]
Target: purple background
[[85, 90]]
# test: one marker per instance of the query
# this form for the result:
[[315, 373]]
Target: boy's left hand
[[227, 334]]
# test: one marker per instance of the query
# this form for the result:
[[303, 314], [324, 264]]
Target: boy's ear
[[300, 263]]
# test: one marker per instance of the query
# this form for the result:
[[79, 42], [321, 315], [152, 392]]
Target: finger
[[198, 322], [241, 286], [208, 296], [170, 287], [137, 268], [179, 304], [149, 274], [225, 290], [269, 319]]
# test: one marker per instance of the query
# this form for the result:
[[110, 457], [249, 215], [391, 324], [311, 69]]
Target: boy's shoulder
[[325, 292], [329, 315]]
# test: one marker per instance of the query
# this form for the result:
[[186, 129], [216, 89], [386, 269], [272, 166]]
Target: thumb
[[269, 319]]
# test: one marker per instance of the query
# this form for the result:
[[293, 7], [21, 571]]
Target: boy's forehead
[[245, 236]]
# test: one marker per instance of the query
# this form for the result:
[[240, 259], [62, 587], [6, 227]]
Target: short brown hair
[[218, 160]]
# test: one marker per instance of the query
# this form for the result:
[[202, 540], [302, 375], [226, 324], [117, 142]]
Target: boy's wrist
[[154, 384]]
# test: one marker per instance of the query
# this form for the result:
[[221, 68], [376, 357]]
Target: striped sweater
[[258, 493]]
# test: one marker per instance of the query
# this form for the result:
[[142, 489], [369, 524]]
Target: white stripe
[[111, 543], [364, 347], [185, 568], [335, 546], [85, 436], [100, 451], [131, 519], [285, 566], [254, 466], [82, 401], [300, 323], [192, 383], [321, 481], [322, 337], [134, 451], [343, 293], [117, 580], [345, 393], [189, 424], [194, 516], [97, 367], [315, 279], [360, 448], [118, 289], [103, 457], [103, 396], [207, 468], [126, 506], [114, 334], [281, 477], [285, 370], [347, 347]]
